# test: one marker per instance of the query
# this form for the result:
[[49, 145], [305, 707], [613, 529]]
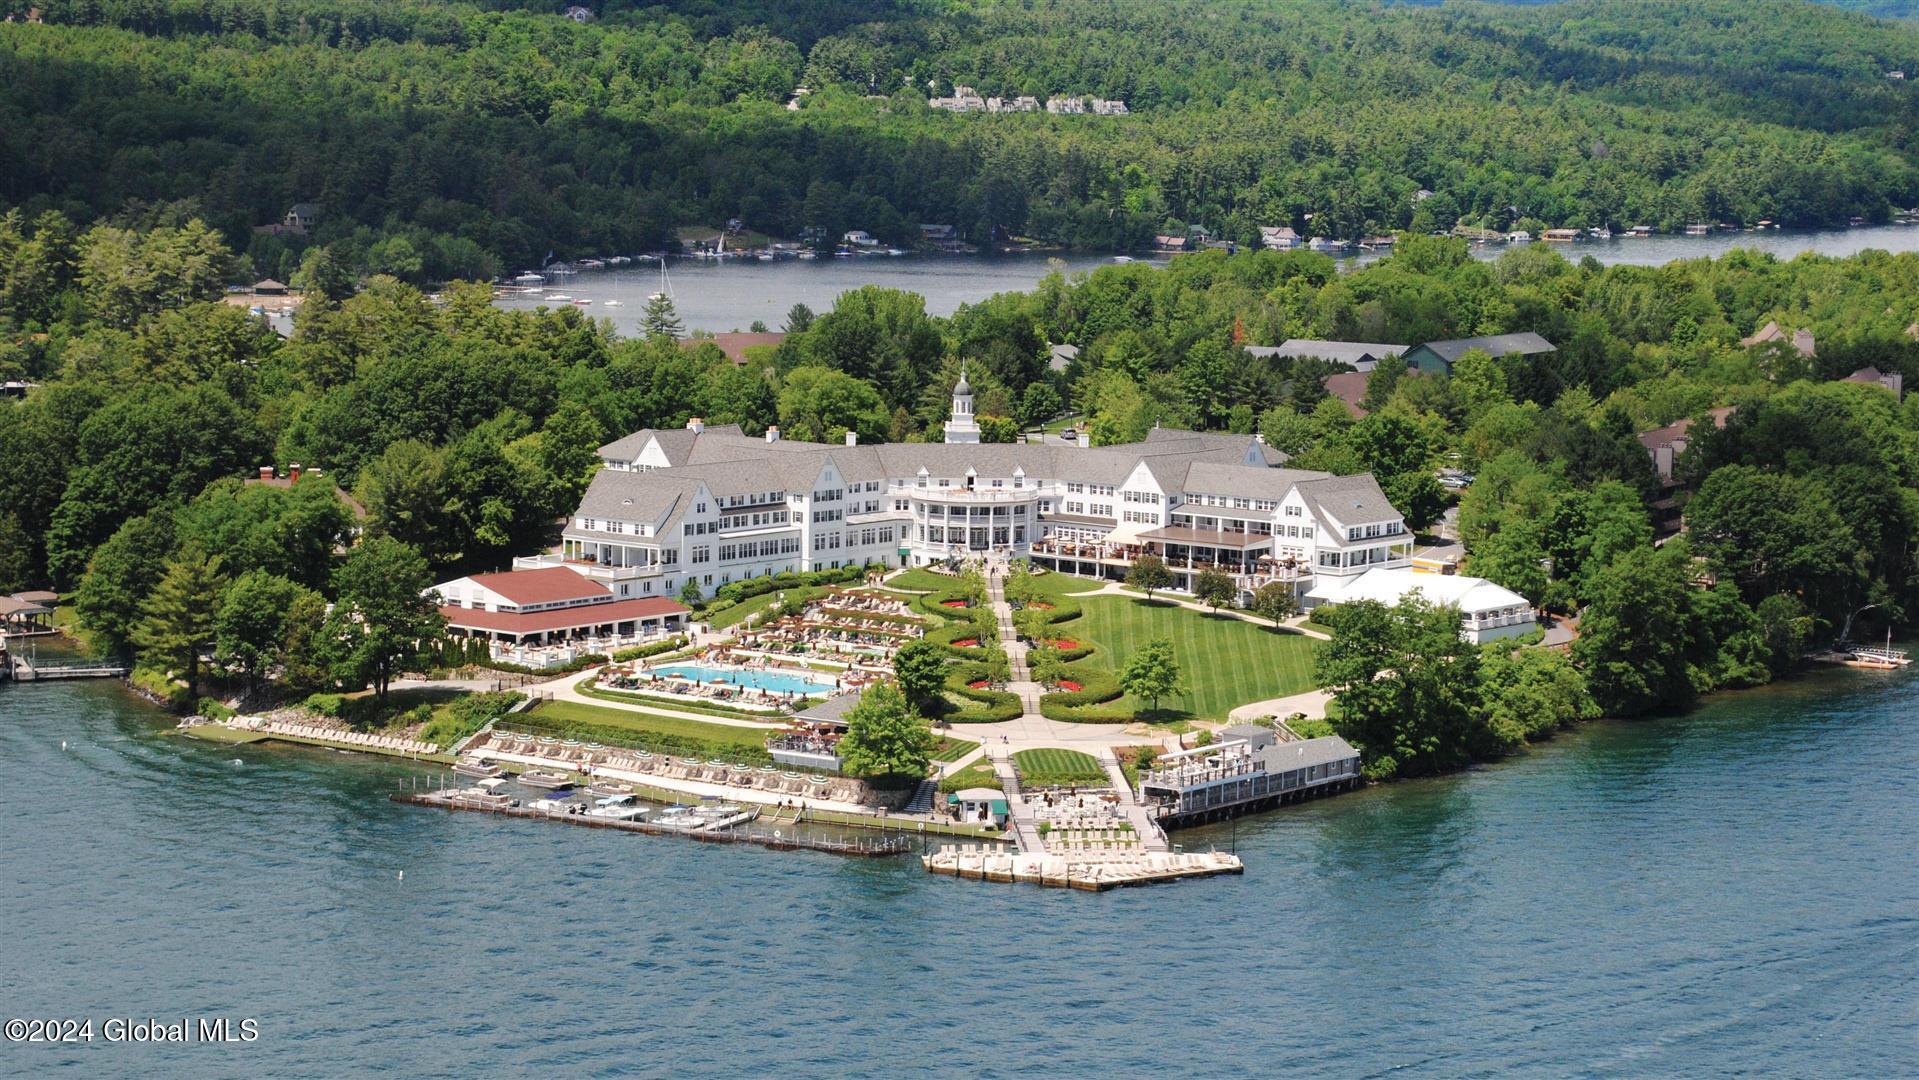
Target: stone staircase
[[923, 798]]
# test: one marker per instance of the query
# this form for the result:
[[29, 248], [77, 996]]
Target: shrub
[[212, 709], [333, 705], [466, 715], [172, 694], [1080, 706], [641, 652]]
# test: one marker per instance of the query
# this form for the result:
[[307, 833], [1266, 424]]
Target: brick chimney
[[266, 472], [696, 424], [293, 472], [772, 433]]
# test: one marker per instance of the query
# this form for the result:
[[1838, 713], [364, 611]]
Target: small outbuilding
[[984, 805]]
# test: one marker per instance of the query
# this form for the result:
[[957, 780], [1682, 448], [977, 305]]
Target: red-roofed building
[[1349, 387], [735, 343], [551, 604]]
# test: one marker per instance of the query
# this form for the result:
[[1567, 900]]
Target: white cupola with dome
[[962, 428]]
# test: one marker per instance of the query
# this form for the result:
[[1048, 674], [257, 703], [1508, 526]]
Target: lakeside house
[[268, 477], [860, 238], [713, 505], [1487, 612], [1060, 357], [1170, 243], [1872, 376], [1800, 340], [1438, 357], [1278, 237], [1665, 444]]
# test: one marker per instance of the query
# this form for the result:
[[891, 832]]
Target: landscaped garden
[[1054, 767], [1224, 662], [624, 727]]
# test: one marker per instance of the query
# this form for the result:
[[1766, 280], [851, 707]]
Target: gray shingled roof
[[1248, 480], [1348, 500], [1283, 757], [1526, 344], [618, 495]]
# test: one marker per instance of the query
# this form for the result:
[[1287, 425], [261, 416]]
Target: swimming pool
[[778, 682]]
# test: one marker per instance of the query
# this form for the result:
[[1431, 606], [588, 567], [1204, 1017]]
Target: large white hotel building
[[716, 505]]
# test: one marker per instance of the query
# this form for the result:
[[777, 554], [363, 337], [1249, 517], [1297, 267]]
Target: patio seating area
[[593, 759]]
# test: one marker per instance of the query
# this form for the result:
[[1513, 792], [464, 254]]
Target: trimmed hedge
[[1062, 609], [987, 706], [1082, 706], [945, 636], [641, 652], [935, 604]]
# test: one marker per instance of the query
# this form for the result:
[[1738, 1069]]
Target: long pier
[[779, 840], [25, 670]]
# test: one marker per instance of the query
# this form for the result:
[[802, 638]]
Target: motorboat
[[554, 806], [579, 302], [616, 303], [618, 808], [477, 767], [607, 790], [544, 778]]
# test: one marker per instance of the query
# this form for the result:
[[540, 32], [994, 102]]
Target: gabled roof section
[[1348, 500], [549, 585], [1251, 481], [636, 496]]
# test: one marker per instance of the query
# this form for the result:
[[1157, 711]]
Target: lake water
[[1733, 891], [731, 294]]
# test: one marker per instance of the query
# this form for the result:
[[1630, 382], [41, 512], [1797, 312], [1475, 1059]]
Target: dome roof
[[962, 387]]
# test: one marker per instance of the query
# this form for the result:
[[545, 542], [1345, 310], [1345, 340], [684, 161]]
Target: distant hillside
[[437, 138]]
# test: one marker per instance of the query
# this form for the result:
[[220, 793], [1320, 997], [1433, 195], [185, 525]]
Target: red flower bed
[[952, 603], [1070, 686], [979, 684], [1065, 643], [966, 643], [1040, 604]]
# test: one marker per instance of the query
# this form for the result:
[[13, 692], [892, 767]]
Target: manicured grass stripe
[[1226, 662], [1052, 765]]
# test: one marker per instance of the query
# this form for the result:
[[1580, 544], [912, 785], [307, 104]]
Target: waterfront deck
[[1088, 871]]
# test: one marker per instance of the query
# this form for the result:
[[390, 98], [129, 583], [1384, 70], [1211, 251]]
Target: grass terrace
[[952, 749], [624, 727], [1052, 766], [1225, 662], [739, 612], [978, 774]]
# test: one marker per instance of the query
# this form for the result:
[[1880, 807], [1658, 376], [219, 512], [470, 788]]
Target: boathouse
[[1250, 769]]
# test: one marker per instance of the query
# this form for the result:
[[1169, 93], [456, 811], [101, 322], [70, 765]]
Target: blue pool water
[[776, 681]]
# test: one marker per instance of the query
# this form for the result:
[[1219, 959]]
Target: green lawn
[[718, 734], [978, 774], [951, 749], [920, 579], [1224, 661], [1053, 583], [1052, 765]]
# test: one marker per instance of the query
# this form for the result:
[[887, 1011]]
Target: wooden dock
[[777, 839], [1109, 871], [25, 670]]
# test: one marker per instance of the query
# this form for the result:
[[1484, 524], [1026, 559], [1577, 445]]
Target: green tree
[[381, 612], [1046, 665], [305, 665], [1213, 588], [660, 319], [1276, 600], [1529, 693], [1039, 404], [1637, 635], [250, 629], [920, 668], [177, 619], [118, 580], [885, 737], [1406, 685], [1151, 672], [1149, 573], [403, 491], [690, 592]]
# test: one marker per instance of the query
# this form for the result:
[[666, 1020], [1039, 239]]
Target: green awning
[[998, 806], [951, 798]]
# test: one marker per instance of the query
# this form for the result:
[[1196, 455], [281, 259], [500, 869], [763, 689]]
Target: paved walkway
[[1019, 814], [1312, 703], [1145, 826]]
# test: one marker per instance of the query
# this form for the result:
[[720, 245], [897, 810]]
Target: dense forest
[[443, 139]]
